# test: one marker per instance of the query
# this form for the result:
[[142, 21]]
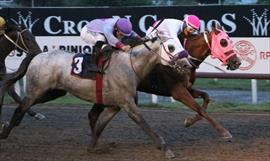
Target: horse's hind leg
[[50, 95], [17, 99], [17, 117], [133, 112], [1, 105], [197, 94], [93, 116], [183, 95], [104, 118]]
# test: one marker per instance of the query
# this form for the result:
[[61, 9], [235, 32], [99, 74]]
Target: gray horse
[[49, 73]]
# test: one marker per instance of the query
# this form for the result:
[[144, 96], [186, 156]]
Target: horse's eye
[[171, 48], [223, 42]]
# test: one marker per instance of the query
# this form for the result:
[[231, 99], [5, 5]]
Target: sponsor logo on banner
[[259, 23], [247, 53], [69, 48], [25, 20]]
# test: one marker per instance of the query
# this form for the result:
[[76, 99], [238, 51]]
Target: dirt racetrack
[[64, 136]]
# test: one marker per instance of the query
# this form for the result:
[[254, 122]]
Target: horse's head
[[169, 52], [20, 39], [221, 48]]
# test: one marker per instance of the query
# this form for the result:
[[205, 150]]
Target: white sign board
[[254, 52]]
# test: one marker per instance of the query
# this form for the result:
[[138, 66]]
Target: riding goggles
[[191, 29]]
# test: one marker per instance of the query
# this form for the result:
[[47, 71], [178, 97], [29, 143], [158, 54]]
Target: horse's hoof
[[101, 150], [2, 130], [3, 125], [188, 122], [112, 145], [227, 136], [39, 116], [169, 154], [91, 150]]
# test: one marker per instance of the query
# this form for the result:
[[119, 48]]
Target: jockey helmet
[[2, 22], [192, 21], [124, 26]]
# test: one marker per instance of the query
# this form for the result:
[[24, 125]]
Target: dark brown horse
[[22, 40], [166, 82]]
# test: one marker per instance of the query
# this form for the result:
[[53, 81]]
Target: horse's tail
[[11, 78]]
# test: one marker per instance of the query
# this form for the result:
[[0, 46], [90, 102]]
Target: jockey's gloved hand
[[126, 48]]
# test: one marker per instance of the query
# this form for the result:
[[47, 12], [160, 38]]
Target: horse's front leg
[[133, 112], [105, 116], [2, 93], [182, 94], [17, 117], [206, 99], [2, 124]]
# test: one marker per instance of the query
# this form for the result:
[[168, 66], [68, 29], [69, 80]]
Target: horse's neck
[[144, 61], [6, 48], [198, 48]]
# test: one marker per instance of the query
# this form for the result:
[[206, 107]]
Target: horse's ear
[[10, 27], [22, 26], [213, 26], [214, 29], [219, 27]]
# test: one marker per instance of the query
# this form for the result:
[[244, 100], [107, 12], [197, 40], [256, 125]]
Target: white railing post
[[17, 88], [254, 91], [154, 98]]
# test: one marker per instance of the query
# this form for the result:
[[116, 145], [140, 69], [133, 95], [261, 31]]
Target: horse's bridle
[[199, 61], [19, 37]]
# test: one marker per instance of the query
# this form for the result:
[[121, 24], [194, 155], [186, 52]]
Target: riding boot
[[106, 50], [97, 50], [92, 66]]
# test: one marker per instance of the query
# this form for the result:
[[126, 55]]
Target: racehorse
[[22, 40], [49, 76], [166, 82]]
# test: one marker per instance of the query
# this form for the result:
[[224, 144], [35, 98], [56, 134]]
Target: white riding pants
[[91, 37]]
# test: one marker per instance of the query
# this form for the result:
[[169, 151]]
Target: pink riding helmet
[[193, 21]]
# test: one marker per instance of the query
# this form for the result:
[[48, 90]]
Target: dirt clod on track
[[64, 136]]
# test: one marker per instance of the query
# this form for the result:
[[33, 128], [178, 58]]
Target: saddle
[[85, 65]]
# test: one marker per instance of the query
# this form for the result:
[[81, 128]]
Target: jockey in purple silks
[[101, 34], [172, 28]]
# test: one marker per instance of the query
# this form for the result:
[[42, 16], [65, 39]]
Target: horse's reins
[[19, 37], [130, 59], [167, 52]]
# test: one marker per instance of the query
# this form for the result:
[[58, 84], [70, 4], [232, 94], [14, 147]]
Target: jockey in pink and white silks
[[172, 28]]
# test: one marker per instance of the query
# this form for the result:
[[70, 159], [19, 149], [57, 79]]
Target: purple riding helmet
[[124, 26]]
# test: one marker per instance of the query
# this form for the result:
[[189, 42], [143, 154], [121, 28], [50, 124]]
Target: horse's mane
[[142, 46], [195, 37]]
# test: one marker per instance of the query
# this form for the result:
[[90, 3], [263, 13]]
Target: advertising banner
[[59, 28]]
